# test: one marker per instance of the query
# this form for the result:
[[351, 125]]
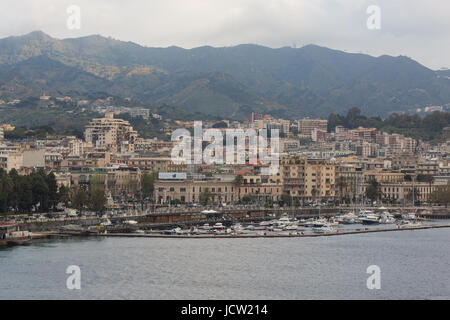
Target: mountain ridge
[[288, 82]]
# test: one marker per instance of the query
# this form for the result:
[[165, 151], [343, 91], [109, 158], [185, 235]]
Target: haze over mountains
[[229, 82]]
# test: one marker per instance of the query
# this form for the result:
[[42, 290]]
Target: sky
[[415, 28]]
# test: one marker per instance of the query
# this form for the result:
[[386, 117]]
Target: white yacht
[[320, 223], [409, 216], [291, 227], [333, 222], [370, 218], [323, 229], [410, 224], [107, 222], [206, 226], [387, 218], [218, 227], [193, 230], [348, 218]]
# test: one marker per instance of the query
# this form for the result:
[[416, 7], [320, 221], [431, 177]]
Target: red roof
[[2, 223]]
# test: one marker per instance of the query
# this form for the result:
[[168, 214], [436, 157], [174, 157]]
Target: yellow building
[[308, 179]]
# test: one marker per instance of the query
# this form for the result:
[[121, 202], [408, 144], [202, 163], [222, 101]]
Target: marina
[[222, 224]]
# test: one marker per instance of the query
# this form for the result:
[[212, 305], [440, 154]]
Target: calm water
[[414, 265]]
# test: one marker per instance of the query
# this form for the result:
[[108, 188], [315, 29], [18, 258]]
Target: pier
[[240, 236]]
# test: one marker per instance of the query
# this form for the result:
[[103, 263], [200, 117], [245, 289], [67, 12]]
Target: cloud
[[415, 28]]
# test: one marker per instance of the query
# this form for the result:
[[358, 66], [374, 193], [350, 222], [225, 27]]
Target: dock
[[241, 236]]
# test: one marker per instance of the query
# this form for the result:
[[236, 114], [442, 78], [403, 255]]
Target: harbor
[[367, 221], [228, 236], [227, 223]]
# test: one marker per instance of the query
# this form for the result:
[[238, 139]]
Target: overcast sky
[[415, 28]]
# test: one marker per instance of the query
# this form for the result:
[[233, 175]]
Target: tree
[[285, 199], [205, 196], [441, 195], [40, 191], [6, 188], [248, 199], [373, 190], [53, 196], [97, 198], [411, 197], [148, 184], [220, 124], [238, 180], [64, 195], [80, 198]]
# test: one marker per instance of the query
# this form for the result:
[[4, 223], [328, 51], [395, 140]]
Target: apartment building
[[12, 160], [152, 145], [115, 134], [308, 179], [306, 125]]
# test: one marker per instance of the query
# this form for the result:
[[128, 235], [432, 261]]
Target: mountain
[[230, 81]]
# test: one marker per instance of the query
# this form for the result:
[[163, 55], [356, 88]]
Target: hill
[[229, 82]]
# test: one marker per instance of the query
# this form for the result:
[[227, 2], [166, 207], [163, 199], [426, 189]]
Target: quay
[[240, 236]]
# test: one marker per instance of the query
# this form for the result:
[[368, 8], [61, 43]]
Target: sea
[[411, 264]]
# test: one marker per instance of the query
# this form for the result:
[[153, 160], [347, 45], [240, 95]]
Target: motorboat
[[193, 230], [107, 222], [291, 227], [387, 218], [284, 221], [410, 224], [370, 218], [333, 222], [218, 227], [348, 218], [323, 229], [409, 216], [206, 226], [320, 223], [175, 231]]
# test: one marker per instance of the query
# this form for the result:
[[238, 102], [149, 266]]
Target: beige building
[[151, 164], [402, 191], [13, 160], [189, 191], [118, 181], [115, 134], [306, 125], [98, 159], [152, 145], [308, 179]]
